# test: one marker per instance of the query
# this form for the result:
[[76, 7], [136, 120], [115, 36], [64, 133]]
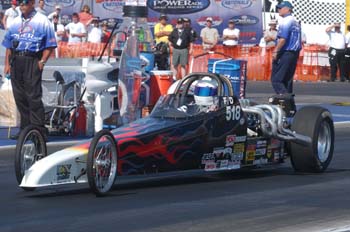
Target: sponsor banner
[[246, 13]]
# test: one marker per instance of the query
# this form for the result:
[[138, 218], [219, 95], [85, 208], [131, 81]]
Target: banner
[[246, 13]]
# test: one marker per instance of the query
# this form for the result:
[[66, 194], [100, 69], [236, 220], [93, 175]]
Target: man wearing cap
[[56, 12], [40, 7], [181, 41], [230, 35], [209, 35], [161, 32], [187, 24], [336, 52], [10, 14], [29, 42], [270, 35], [286, 52], [94, 30]]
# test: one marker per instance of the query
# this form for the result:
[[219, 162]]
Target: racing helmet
[[206, 91]]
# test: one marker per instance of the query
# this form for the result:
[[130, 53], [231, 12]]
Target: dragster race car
[[199, 125]]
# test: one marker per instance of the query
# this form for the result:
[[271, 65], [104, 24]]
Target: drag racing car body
[[200, 126]]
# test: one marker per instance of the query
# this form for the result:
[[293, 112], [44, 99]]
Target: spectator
[[56, 12], [76, 30], [105, 32], [40, 7], [347, 54], [286, 52], [230, 35], [187, 24], [85, 15], [181, 41], [270, 35], [209, 35], [336, 52], [10, 14], [94, 31], [161, 32], [28, 54], [58, 28]]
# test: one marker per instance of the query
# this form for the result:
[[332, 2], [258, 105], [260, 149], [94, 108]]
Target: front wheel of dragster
[[317, 123], [102, 162], [30, 148]]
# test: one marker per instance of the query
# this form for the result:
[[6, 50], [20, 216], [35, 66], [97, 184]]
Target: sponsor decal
[[275, 143], [219, 152], [178, 6], [245, 20], [113, 5], [62, 3], [240, 139], [269, 153], [261, 143], [236, 4], [202, 21], [63, 172], [207, 158], [260, 151], [230, 140], [260, 161], [276, 155], [229, 101], [210, 166], [238, 148]]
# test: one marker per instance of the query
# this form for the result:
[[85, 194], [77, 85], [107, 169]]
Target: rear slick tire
[[317, 123], [30, 148], [102, 163]]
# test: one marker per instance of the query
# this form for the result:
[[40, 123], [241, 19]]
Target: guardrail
[[312, 64]]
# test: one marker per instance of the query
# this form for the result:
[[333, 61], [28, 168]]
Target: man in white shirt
[[10, 14], [336, 51], [56, 12], [230, 35], [76, 30], [94, 31], [40, 7], [209, 35]]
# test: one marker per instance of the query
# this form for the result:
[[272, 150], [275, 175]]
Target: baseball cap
[[231, 21], [14, 2], [285, 4], [209, 19], [57, 7], [163, 16], [187, 20], [180, 20]]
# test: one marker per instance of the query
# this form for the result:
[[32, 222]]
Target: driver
[[206, 94]]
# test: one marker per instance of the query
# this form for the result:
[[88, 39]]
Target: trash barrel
[[160, 81], [234, 70]]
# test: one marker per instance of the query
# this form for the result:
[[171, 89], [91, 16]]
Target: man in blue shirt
[[286, 53], [29, 42]]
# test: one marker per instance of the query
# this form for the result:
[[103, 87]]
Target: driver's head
[[205, 92]]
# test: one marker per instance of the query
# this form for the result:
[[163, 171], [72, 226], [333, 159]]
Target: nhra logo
[[245, 20], [237, 4], [178, 6], [113, 5], [62, 3]]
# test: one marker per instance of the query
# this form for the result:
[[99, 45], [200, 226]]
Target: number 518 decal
[[233, 113]]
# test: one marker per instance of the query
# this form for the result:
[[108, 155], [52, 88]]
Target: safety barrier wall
[[312, 64]]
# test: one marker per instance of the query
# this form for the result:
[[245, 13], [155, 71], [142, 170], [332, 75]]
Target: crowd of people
[[84, 26]]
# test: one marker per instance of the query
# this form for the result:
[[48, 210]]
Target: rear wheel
[[317, 123], [102, 163], [30, 148]]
